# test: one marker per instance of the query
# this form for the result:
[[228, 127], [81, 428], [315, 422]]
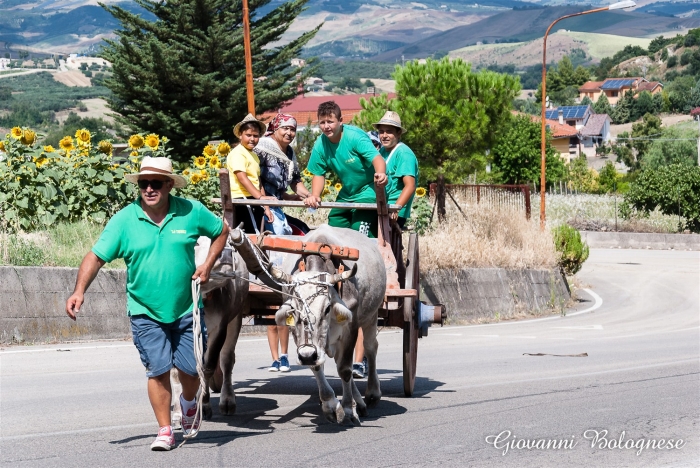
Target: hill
[[524, 25], [525, 54]]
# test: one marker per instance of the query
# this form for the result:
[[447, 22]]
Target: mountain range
[[383, 30]]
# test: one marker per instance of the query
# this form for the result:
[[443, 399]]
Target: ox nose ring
[[308, 354]]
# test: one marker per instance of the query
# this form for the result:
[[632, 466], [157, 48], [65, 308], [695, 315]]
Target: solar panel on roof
[[617, 83], [569, 112]]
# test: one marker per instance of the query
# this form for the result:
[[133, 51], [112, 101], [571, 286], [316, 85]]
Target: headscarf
[[374, 136], [280, 120]]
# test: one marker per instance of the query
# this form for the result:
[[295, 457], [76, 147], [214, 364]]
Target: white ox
[[325, 323]]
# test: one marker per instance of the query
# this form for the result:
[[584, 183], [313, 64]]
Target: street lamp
[[613, 6]]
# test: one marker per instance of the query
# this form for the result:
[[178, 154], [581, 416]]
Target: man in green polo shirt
[[156, 235], [349, 153], [401, 165]]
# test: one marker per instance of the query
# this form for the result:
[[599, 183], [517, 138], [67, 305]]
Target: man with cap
[[348, 152], [156, 235], [401, 165]]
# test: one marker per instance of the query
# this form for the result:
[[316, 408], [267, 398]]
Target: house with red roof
[[614, 88], [303, 108]]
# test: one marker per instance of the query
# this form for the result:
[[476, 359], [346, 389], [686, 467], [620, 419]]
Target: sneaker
[[365, 365], [284, 364], [358, 370], [165, 440], [189, 423], [275, 367]]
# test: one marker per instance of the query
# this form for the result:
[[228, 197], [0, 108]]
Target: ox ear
[[283, 315], [340, 312]]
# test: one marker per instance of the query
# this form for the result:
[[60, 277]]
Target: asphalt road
[[481, 400]]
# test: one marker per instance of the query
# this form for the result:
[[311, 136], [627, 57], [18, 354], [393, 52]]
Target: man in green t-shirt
[[401, 165], [349, 153], [156, 235]]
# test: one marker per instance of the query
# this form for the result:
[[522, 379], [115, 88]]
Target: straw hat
[[249, 118], [391, 118], [157, 166]]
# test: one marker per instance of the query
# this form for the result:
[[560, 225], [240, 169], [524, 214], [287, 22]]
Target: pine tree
[[183, 75], [602, 105], [624, 109]]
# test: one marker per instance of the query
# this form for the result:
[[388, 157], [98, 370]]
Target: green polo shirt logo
[[178, 231]]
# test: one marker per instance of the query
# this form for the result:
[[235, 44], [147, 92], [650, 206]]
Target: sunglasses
[[155, 184]]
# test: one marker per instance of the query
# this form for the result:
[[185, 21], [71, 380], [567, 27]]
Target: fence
[[516, 197]]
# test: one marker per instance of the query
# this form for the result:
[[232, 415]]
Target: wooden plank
[[284, 244], [395, 293]]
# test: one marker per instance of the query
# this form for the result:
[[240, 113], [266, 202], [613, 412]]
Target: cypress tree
[[183, 74]]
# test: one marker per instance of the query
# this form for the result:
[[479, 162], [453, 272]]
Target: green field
[[605, 45]]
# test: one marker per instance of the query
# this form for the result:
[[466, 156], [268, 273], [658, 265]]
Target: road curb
[[641, 240]]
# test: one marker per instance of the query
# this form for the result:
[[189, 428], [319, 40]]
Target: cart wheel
[[410, 327]]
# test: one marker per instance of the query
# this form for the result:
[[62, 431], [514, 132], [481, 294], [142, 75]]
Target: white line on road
[[78, 348]]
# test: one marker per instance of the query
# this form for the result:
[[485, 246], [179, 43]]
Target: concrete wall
[[476, 294], [32, 300], [32, 305], [641, 240]]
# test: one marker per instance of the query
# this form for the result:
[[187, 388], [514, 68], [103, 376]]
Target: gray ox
[[224, 306], [325, 323]]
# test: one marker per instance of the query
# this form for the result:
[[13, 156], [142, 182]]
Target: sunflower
[[215, 162], [325, 192], [420, 192], [164, 140], [338, 186], [307, 173], [195, 178], [105, 147], [209, 150], [152, 141], [41, 161], [204, 174], [2, 146], [49, 149], [66, 144], [200, 162], [16, 133], [82, 137], [136, 141], [328, 183], [28, 138], [186, 172], [223, 149]]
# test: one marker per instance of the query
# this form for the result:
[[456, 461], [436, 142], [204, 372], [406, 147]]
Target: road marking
[[582, 327], [78, 348]]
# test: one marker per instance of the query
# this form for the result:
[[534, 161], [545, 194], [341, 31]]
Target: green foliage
[[573, 252], [602, 105], [305, 140], [21, 252], [679, 146], [624, 110], [451, 113], [40, 186], [421, 211], [586, 101], [517, 153], [672, 61], [329, 70], [203, 174], [581, 177], [563, 82], [603, 70], [373, 110], [99, 129], [674, 189], [183, 75], [608, 178]]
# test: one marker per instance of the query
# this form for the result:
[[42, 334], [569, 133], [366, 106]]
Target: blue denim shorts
[[164, 345]]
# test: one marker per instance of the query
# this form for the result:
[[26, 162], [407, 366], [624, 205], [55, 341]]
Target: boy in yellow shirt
[[244, 172]]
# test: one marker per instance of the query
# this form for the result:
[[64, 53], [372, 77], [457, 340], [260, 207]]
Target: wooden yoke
[[227, 207]]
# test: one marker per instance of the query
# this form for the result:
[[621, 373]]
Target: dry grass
[[487, 237]]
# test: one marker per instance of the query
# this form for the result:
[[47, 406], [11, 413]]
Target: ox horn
[[280, 275], [339, 277]]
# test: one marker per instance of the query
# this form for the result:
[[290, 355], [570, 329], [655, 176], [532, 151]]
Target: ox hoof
[[206, 411], [227, 407], [362, 410], [372, 400]]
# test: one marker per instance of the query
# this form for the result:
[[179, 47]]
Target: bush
[[674, 189], [686, 56], [21, 252], [571, 249], [672, 61]]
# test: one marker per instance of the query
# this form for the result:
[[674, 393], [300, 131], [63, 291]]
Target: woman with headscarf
[[279, 171]]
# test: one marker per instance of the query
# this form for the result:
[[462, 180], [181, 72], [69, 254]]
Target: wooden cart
[[402, 307]]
